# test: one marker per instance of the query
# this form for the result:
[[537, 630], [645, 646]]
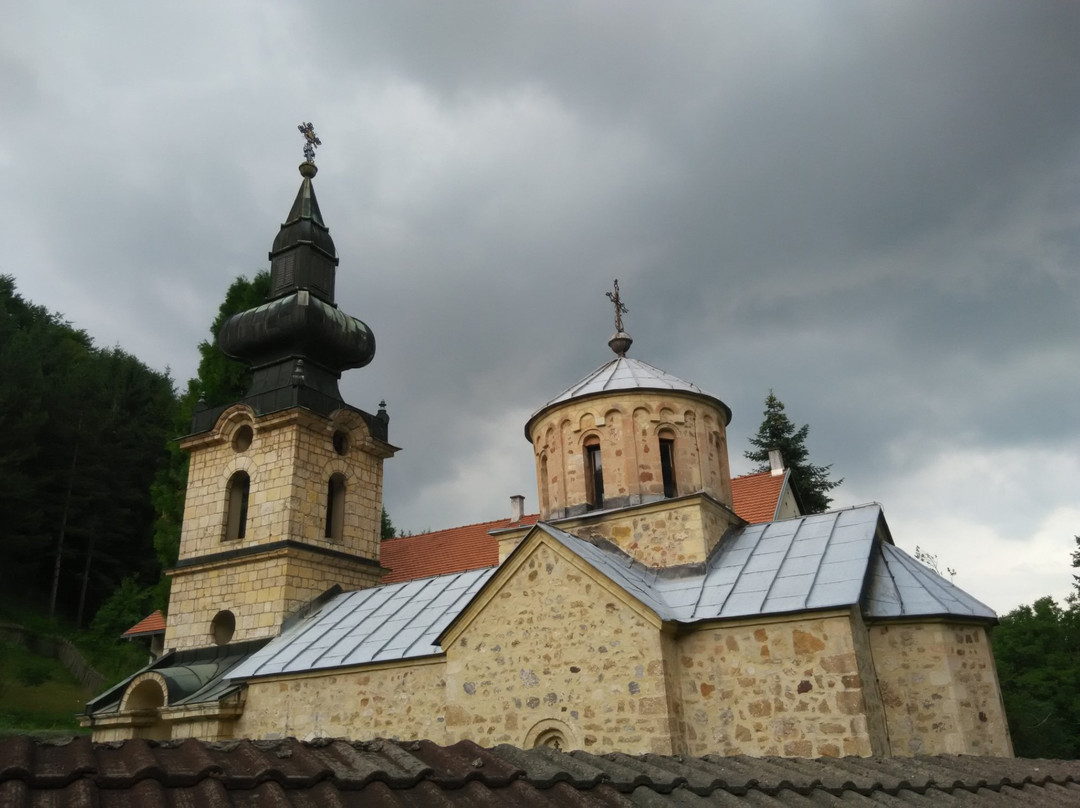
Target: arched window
[[335, 507], [236, 518], [667, 461], [594, 473], [545, 504]]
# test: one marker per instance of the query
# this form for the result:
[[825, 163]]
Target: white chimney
[[517, 508], [776, 461]]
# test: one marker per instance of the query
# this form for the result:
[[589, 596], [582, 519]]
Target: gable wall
[[940, 689], [787, 687], [554, 648]]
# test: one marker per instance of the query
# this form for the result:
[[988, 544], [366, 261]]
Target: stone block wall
[[260, 590], [401, 700], [628, 426], [289, 461], [555, 652], [940, 690], [787, 687]]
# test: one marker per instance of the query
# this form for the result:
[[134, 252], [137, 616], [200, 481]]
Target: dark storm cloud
[[870, 208]]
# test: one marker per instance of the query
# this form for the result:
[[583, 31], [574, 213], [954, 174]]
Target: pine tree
[[811, 482]]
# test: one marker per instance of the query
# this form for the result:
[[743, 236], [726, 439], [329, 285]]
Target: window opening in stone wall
[[241, 441], [551, 738], [340, 442], [335, 507], [594, 474], [222, 627], [667, 461], [236, 520], [545, 505]]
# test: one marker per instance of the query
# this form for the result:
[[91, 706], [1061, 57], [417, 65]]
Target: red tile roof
[[151, 624], [455, 549], [755, 496]]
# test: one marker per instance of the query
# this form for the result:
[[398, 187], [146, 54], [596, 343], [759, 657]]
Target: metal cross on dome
[[311, 140], [620, 309]]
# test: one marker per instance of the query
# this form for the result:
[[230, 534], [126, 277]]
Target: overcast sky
[[871, 208]]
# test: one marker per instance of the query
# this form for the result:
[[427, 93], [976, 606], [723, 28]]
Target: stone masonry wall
[[940, 690], [628, 427], [403, 701], [783, 687], [260, 591], [555, 648], [290, 461]]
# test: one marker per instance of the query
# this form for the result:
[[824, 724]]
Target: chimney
[[776, 461], [517, 508]]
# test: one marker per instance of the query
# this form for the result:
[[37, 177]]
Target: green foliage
[[127, 605], [82, 430], [931, 561], [37, 692], [811, 482], [1037, 651], [388, 529]]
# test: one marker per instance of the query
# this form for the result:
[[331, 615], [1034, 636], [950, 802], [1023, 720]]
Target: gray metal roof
[[814, 562], [821, 561], [623, 373], [384, 623]]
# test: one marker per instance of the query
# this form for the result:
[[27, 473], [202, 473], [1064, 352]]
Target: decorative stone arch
[[545, 483], [552, 733], [232, 420], [147, 691], [592, 461], [351, 425]]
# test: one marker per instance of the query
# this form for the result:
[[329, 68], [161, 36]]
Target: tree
[[388, 531], [811, 482], [1037, 652], [1076, 563]]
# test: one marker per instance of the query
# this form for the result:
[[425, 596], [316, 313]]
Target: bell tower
[[284, 493]]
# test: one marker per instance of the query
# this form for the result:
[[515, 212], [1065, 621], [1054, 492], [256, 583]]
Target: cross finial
[[620, 309], [311, 140]]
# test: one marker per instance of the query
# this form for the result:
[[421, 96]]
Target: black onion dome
[[298, 343], [299, 325], [303, 255]]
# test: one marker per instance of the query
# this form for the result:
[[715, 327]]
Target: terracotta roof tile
[[455, 549], [290, 773], [151, 624], [755, 496]]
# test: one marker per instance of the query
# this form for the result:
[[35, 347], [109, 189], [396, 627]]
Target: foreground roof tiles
[[149, 774]]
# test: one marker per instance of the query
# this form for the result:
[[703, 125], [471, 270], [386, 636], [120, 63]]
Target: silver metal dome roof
[[624, 374]]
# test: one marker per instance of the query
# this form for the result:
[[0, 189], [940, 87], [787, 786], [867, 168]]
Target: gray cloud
[[871, 209]]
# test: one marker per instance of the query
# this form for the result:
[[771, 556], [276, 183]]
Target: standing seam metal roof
[[821, 561]]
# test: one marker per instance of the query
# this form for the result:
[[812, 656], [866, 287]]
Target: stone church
[[639, 613]]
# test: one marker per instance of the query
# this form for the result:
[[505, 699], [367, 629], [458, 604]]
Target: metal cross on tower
[[311, 140], [620, 309]]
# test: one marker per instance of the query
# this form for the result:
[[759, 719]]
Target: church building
[[640, 612]]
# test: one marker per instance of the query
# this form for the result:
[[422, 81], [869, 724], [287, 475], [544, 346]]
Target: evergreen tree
[[811, 482]]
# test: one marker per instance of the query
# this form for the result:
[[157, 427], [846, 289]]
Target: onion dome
[[299, 342]]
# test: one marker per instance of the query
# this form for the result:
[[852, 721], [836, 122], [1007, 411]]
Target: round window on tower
[[222, 627], [341, 442], [241, 441]]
